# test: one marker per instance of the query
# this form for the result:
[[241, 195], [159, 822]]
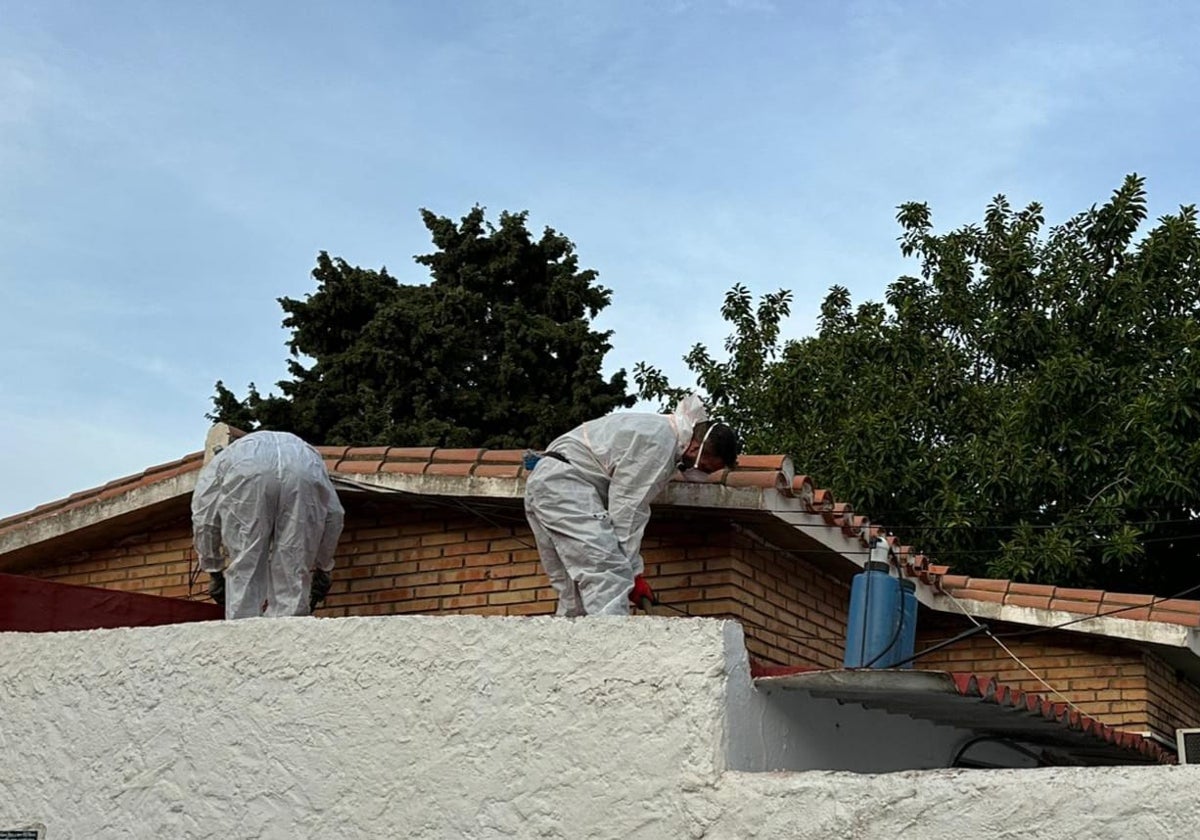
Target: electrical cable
[[999, 739]]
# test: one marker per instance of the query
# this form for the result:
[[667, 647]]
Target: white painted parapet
[[471, 727], [363, 727]]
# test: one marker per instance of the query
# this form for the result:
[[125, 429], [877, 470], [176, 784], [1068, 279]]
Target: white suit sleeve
[[638, 478], [206, 515], [334, 519]]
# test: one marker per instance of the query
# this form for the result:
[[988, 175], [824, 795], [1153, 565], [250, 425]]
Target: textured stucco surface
[[415, 727], [1063, 803], [478, 728]]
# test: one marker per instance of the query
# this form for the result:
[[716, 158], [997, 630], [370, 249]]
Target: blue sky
[[167, 170]]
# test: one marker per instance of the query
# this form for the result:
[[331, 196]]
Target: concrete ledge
[[74, 521]]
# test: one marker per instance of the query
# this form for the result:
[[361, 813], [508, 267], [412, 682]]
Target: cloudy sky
[[167, 170]]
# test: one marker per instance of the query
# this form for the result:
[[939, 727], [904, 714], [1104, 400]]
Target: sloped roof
[[114, 489], [761, 482], [975, 702]]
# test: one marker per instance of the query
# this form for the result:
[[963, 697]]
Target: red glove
[[641, 590]]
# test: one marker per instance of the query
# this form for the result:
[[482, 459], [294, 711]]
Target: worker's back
[[269, 498], [609, 446]]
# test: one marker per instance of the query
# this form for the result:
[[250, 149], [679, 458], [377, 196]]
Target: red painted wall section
[[31, 605]]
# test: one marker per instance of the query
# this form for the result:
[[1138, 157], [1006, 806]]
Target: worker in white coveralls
[[588, 499], [268, 499]]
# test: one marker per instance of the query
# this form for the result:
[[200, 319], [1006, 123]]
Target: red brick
[[397, 543], [404, 593], [438, 590], [510, 597], [527, 582], [478, 547], [368, 584], [475, 587], [417, 579], [486, 559], [461, 575], [440, 563], [515, 570], [510, 544], [443, 538], [425, 605], [464, 602]]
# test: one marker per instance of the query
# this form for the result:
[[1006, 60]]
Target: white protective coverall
[[268, 498], [588, 516]]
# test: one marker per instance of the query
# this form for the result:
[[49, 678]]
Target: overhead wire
[[477, 509], [987, 631]]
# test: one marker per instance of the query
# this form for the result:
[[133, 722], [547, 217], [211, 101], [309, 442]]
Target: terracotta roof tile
[[821, 500], [1006, 709], [762, 462], [1084, 607], [1125, 599], [1037, 602], [1036, 589], [404, 467], [471, 455], [410, 453], [980, 595], [350, 465], [1079, 594], [1189, 618], [989, 584], [502, 456], [1178, 605], [989, 690], [366, 453], [498, 470], [1135, 613], [449, 469]]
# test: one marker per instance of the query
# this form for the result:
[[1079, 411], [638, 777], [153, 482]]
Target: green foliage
[[496, 351], [1028, 406]]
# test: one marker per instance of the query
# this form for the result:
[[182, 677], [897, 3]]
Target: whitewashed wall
[[468, 727]]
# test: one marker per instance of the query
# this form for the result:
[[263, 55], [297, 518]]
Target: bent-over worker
[[269, 500], [588, 499]]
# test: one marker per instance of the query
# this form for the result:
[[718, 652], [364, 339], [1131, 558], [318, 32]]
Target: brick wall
[[154, 563], [1119, 685], [396, 559], [1174, 702]]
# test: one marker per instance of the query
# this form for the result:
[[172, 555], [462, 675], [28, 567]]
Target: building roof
[[975, 702], [762, 484]]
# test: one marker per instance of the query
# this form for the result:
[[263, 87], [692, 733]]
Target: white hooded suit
[[588, 515], [269, 500]]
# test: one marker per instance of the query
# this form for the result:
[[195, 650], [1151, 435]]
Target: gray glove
[[321, 583], [216, 587]]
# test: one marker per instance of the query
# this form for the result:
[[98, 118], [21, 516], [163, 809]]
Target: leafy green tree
[[1028, 406], [496, 350]]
